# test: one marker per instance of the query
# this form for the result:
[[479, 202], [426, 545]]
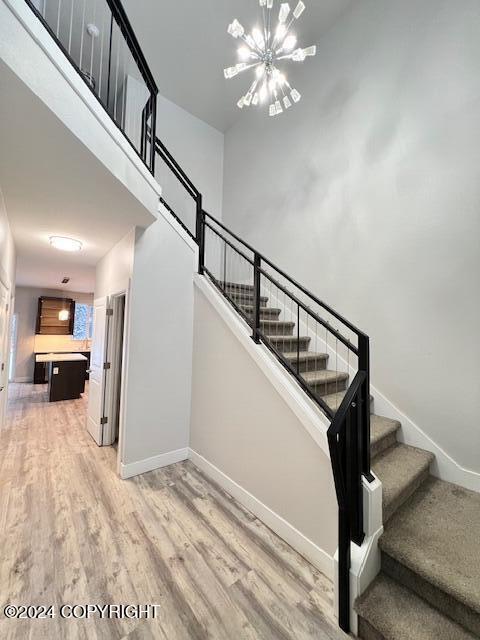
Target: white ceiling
[[187, 47], [52, 185]]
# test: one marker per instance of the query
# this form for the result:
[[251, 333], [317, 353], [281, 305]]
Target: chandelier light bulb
[[262, 51], [299, 9], [289, 43], [244, 53], [284, 12]]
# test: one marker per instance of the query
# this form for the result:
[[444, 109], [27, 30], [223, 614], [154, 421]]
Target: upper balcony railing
[[98, 39]]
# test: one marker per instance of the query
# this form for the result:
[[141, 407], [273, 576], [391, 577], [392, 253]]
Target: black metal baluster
[[298, 339], [257, 264], [200, 235]]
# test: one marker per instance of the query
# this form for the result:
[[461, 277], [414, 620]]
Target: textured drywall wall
[[368, 193]]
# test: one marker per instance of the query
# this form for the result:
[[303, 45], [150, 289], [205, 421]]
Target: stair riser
[[317, 364], [277, 328], [287, 346], [324, 389], [265, 314], [241, 300], [434, 596], [367, 632], [405, 495], [243, 288], [383, 444]]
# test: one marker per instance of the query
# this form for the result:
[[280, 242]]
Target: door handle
[[1, 389], [88, 371]]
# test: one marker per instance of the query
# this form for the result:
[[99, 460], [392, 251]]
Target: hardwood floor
[[72, 532]]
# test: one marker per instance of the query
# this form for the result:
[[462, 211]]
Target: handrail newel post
[[257, 265], [200, 235], [344, 562], [153, 151], [364, 365]]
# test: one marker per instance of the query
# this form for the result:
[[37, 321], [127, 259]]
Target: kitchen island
[[66, 375]]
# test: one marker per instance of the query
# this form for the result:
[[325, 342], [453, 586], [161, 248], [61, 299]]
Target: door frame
[[6, 340]]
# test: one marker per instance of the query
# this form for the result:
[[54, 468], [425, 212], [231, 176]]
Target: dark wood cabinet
[[49, 316]]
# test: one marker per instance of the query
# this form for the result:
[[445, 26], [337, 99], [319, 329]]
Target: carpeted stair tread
[[324, 376], [265, 311], [309, 357], [277, 327], [437, 536], [396, 613], [289, 339], [233, 286], [245, 298], [334, 400], [401, 469], [383, 433]]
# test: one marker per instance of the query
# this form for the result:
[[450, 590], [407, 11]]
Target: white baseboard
[[303, 545], [22, 380], [150, 464], [444, 466]]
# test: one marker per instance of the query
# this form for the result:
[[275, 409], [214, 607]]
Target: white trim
[[444, 466], [314, 421], [303, 545], [125, 369], [22, 380], [150, 464], [179, 230]]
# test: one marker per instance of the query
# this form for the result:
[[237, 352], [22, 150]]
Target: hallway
[[72, 532]]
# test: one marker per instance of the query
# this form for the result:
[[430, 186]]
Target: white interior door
[[3, 347], [98, 374]]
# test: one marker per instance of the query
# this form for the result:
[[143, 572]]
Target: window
[[83, 322]]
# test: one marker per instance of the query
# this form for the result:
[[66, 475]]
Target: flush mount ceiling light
[[65, 244], [262, 50]]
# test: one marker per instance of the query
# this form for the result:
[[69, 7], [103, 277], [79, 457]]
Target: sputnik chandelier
[[262, 50]]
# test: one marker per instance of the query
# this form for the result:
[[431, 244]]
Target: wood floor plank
[[72, 532]]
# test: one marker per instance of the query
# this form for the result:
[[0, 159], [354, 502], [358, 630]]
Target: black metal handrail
[[103, 68], [349, 431]]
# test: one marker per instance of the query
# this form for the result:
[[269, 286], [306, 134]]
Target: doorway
[[117, 336], [106, 370]]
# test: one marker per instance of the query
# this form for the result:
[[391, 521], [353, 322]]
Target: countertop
[[59, 357]]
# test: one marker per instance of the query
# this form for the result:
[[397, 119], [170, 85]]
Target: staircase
[[429, 586]]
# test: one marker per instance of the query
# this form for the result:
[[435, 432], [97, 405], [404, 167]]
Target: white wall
[[26, 307], [159, 365], [114, 270], [7, 248], [198, 148], [368, 193], [244, 427]]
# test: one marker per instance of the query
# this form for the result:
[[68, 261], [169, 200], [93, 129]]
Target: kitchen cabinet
[[49, 320]]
